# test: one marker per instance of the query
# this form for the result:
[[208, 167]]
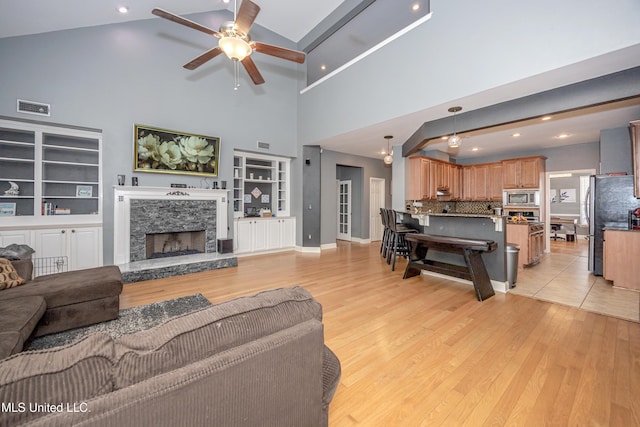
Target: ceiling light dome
[[235, 47]]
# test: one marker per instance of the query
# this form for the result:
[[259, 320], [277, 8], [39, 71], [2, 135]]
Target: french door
[[344, 210]]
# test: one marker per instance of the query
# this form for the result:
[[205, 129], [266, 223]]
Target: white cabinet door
[[18, 237], [273, 233], [82, 246], [288, 233], [243, 236], [85, 246], [51, 243], [260, 235]]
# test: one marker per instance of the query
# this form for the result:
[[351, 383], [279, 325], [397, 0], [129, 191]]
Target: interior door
[[344, 210], [376, 202]]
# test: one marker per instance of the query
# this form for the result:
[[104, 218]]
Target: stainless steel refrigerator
[[610, 198]]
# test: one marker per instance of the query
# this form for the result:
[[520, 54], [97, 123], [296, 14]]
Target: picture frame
[[7, 209], [84, 191], [166, 151]]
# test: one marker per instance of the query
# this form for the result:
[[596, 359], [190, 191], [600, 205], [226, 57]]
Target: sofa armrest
[[331, 372], [24, 267]]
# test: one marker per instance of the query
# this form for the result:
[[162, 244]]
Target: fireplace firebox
[[162, 245]]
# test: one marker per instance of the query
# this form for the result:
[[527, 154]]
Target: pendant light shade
[[388, 158], [454, 140]]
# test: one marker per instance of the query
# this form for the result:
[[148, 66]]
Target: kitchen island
[[468, 226]]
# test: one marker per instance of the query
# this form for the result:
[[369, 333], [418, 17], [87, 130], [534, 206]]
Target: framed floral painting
[[168, 151]]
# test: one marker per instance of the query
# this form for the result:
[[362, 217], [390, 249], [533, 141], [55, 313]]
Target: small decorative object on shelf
[[13, 191], [7, 209], [134, 181], [121, 179], [84, 191]]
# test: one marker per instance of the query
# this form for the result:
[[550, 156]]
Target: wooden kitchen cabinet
[[456, 182], [495, 182], [635, 144], [621, 253], [523, 173], [530, 240], [480, 184], [419, 178]]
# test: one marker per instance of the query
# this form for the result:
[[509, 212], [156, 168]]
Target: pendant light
[[454, 140], [388, 158]]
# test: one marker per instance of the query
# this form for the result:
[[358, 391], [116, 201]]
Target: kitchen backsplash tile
[[454, 207]]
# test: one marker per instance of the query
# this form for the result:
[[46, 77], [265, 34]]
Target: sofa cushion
[[18, 318], [72, 287], [9, 277], [199, 335], [68, 374]]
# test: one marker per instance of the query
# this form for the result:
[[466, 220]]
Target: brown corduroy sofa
[[252, 361], [71, 299]]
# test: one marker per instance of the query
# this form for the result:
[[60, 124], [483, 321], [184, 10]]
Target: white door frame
[[376, 201], [343, 191]]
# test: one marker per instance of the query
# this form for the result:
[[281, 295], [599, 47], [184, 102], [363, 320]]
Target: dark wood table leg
[[418, 253], [479, 274]]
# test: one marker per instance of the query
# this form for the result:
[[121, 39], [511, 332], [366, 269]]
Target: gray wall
[[311, 196], [112, 76], [567, 157], [615, 151], [566, 208], [463, 50], [371, 168]]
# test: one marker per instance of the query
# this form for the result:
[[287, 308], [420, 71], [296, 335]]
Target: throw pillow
[[9, 277]]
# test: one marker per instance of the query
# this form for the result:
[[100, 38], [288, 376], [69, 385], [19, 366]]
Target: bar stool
[[385, 233], [397, 243]]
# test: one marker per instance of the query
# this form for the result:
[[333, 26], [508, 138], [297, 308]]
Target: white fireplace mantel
[[122, 210]]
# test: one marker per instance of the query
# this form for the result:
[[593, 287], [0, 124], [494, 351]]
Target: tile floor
[[562, 276]]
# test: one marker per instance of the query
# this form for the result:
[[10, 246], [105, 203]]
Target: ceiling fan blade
[[251, 68], [183, 21], [246, 15], [280, 52], [208, 55]]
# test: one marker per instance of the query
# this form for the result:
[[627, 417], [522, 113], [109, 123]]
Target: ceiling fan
[[235, 41]]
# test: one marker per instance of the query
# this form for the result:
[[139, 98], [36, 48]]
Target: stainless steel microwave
[[523, 198]]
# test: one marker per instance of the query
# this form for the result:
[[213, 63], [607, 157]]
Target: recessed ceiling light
[[515, 135], [123, 9], [475, 149], [415, 7], [444, 138], [562, 136], [323, 67], [546, 118]]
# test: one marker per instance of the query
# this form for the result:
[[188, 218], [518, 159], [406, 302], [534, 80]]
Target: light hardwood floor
[[425, 352]]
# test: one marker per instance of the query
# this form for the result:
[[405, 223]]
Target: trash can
[[512, 264], [570, 237]]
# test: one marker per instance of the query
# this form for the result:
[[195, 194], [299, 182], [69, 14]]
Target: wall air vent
[[264, 145], [31, 107]]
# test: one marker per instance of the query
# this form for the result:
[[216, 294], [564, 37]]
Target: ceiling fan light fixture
[[235, 47]]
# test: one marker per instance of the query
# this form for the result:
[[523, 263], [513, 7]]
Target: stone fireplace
[[160, 232], [163, 216]]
